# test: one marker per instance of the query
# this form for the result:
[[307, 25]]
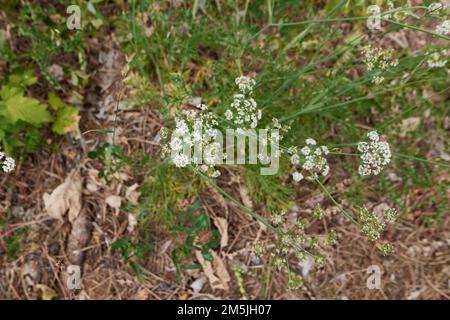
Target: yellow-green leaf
[[26, 109], [66, 120], [55, 102]]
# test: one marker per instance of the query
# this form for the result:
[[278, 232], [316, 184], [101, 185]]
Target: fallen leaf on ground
[[114, 201], [132, 195], [198, 284], [132, 222], [222, 226], [142, 294], [67, 196], [216, 272], [46, 293], [409, 125]]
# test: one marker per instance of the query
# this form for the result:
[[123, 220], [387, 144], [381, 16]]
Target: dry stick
[[115, 122]]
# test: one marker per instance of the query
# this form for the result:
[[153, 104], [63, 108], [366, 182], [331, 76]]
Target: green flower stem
[[247, 210], [412, 158], [345, 213], [408, 26]]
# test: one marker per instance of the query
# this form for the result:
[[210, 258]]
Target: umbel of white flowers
[[244, 110], [375, 155], [8, 164], [443, 28], [312, 160], [198, 130]]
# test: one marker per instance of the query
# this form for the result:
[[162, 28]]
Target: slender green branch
[[345, 213], [412, 158], [240, 205], [408, 26]]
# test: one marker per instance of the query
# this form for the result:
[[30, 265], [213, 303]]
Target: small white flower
[[377, 80], [373, 135], [181, 127], [229, 114], [443, 28], [176, 144], [292, 150], [244, 109], [295, 159], [434, 7], [435, 61], [326, 170], [296, 176], [8, 164], [379, 60], [312, 157], [375, 155], [245, 84], [180, 160], [363, 147], [202, 106], [215, 174], [305, 151], [308, 165]]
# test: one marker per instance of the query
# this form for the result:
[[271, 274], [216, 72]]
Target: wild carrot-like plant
[[320, 80]]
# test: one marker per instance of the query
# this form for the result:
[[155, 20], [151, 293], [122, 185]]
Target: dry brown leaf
[[67, 196], [132, 222], [183, 295], [219, 198], [198, 284], [222, 226], [46, 293], [216, 272], [114, 201], [132, 195], [142, 294], [93, 183], [409, 125], [56, 71], [221, 270]]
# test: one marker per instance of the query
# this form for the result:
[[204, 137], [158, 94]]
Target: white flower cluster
[[245, 84], [435, 7], [8, 164], [398, 13], [375, 155], [195, 128], [379, 60], [436, 60], [312, 160], [373, 226], [282, 128], [443, 28], [244, 110]]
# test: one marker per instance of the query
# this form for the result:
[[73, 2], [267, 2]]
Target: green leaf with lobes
[[67, 117], [17, 107]]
